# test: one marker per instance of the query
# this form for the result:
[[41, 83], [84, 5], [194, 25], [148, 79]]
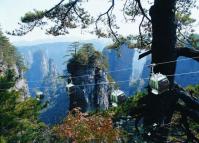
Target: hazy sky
[[12, 10]]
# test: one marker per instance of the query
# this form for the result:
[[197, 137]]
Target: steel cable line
[[122, 81], [124, 69]]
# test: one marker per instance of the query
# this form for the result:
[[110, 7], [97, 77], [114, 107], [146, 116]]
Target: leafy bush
[[130, 107], [82, 128], [193, 90]]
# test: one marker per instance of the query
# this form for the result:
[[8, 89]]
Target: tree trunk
[[161, 107], [164, 36]]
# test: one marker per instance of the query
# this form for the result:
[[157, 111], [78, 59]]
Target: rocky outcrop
[[42, 76], [37, 71], [126, 69], [55, 96], [102, 89], [90, 92], [22, 86], [90, 89], [20, 83]]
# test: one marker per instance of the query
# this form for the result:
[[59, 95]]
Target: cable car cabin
[[69, 86], [158, 83], [117, 96], [39, 95]]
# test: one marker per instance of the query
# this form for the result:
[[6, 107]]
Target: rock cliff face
[[135, 73], [37, 71], [120, 66], [22, 86], [55, 96], [20, 82], [11, 68], [42, 76], [185, 65], [91, 90], [128, 72]]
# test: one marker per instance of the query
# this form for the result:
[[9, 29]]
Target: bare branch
[[194, 115], [190, 102], [142, 10], [184, 37], [188, 52], [144, 54], [124, 7], [109, 9], [107, 13], [57, 5], [181, 41], [140, 32], [113, 33], [75, 10]]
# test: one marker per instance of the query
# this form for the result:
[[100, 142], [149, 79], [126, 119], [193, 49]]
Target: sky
[[12, 10]]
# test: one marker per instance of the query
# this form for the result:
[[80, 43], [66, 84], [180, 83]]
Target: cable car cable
[[180, 74]]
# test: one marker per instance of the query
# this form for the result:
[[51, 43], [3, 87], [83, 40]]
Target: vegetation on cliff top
[[8, 53], [86, 57]]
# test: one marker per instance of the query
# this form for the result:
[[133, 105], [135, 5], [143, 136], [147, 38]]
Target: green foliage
[[130, 106], [2, 139], [193, 90], [185, 19], [194, 40], [87, 56], [8, 80], [32, 16], [18, 120], [8, 53]]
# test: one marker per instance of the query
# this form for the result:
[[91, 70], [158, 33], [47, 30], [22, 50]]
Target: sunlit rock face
[[125, 68], [20, 84], [37, 71]]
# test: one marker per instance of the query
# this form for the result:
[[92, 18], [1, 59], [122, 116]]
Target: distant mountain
[[42, 76], [58, 39], [126, 69], [55, 95], [38, 69], [45, 64], [55, 51]]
